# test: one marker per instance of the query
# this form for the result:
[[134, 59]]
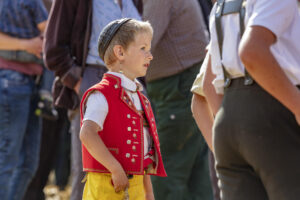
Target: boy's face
[[137, 57]]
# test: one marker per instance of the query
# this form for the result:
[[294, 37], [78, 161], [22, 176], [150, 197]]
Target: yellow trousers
[[98, 187]]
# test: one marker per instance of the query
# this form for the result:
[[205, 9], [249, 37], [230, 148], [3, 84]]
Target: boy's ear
[[119, 52]]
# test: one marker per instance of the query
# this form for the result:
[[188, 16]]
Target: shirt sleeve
[[40, 11], [275, 15], [96, 108], [197, 87]]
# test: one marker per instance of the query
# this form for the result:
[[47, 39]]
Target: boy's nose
[[150, 57]]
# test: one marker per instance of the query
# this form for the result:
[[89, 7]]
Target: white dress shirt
[[280, 17]]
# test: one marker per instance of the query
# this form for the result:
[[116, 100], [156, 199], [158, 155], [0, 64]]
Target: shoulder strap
[[225, 7]]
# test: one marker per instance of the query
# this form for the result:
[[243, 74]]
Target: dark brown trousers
[[257, 146]]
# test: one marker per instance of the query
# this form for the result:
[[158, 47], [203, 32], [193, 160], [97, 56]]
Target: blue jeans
[[19, 133], [47, 80]]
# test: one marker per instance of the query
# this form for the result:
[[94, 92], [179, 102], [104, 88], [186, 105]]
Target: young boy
[[118, 132]]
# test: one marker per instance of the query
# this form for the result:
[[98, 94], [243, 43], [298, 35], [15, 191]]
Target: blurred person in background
[[178, 46], [21, 25]]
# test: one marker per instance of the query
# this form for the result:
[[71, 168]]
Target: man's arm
[[213, 99], [203, 117], [205, 107], [33, 45], [57, 46], [259, 61]]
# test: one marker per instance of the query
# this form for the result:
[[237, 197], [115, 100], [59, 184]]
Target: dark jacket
[[66, 46]]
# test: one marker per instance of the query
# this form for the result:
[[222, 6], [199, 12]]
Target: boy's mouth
[[146, 65]]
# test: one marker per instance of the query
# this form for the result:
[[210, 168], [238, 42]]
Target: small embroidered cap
[[108, 33]]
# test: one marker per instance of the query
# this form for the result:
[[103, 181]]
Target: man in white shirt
[[256, 136]]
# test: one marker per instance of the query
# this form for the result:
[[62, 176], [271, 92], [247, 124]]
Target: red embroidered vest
[[123, 130]]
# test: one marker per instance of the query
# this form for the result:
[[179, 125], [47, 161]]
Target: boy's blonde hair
[[124, 36]]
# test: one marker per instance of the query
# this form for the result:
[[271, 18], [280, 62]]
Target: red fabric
[[148, 159], [123, 137], [25, 68]]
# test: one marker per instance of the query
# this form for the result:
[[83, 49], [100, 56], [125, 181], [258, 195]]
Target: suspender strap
[[218, 16], [224, 8]]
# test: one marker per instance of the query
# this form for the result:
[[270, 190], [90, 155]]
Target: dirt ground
[[52, 193]]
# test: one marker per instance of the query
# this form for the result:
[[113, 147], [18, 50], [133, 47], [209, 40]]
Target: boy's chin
[[142, 75]]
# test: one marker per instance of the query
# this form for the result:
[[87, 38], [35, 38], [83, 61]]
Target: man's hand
[[34, 46], [119, 180]]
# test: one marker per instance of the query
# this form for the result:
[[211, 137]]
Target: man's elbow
[[255, 46], [248, 53]]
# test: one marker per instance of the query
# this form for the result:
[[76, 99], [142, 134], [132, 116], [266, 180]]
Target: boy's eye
[[143, 48]]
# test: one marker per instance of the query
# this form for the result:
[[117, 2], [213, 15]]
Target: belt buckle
[[227, 82], [248, 80]]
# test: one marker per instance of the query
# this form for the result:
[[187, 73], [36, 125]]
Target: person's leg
[[29, 155], [269, 141], [241, 112], [182, 145], [199, 184], [62, 161], [77, 174], [213, 176], [50, 133], [91, 76], [15, 94], [45, 105], [237, 179], [47, 80]]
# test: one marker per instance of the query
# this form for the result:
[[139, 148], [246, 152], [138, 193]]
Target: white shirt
[[199, 81], [97, 107], [279, 16]]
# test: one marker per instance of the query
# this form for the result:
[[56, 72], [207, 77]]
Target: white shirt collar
[[127, 83]]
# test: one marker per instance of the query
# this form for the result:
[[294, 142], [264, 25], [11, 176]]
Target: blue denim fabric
[[19, 134], [24, 57], [47, 80]]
